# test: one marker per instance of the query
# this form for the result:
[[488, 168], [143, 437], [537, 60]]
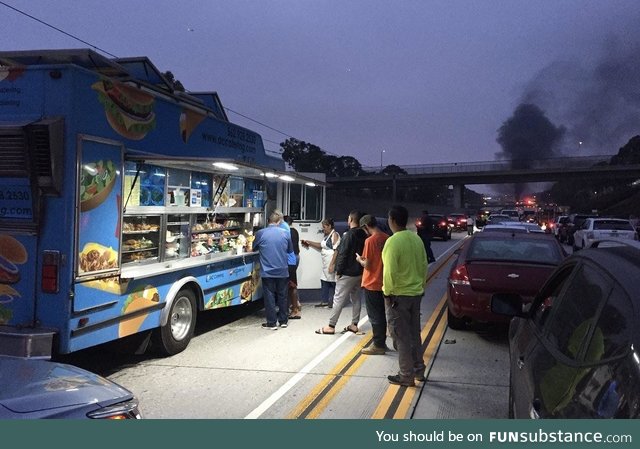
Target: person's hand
[[332, 268]]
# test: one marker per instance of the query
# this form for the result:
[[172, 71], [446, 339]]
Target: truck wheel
[[455, 323], [174, 336]]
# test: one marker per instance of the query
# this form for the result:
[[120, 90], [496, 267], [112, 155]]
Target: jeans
[[327, 290], [275, 295], [347, 288], [426, 241], [404, 323], [377, 315]]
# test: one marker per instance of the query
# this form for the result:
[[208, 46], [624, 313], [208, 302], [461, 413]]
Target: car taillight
[[459, 276], [50, 271], [443, 223]]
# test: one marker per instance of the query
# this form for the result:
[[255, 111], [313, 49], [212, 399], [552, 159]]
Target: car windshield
[[618, 225], [500, 249]]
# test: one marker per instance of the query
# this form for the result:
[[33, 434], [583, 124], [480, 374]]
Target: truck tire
[[175, 336]]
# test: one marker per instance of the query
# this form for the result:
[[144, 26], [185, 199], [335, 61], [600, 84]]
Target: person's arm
[[309, 243], [332, 264], [343, 251], [363, 258]]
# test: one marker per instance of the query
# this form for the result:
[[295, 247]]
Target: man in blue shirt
[[273, 245]]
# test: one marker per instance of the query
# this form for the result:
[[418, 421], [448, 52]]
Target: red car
[[497, 262]]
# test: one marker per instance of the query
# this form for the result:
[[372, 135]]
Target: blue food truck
[[126, 207]]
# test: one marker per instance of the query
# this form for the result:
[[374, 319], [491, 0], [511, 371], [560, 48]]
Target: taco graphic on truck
[[141, 298]]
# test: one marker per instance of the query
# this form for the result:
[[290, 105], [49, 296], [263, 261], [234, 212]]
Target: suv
[[573, 224], [440, 226]]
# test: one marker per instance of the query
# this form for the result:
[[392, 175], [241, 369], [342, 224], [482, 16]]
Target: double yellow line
[[397, 400]]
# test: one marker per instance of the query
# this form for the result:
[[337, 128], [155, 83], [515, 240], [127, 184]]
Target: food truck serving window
[[306, 202]]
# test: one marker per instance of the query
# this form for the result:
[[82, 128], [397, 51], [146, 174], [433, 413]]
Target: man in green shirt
[[404, 276]]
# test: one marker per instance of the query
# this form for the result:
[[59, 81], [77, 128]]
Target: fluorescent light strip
[[225, 166]]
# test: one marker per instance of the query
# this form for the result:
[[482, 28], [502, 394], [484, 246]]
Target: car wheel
[[454, 322], [175, 336]]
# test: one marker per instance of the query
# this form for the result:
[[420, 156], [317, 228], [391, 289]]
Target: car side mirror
[[509, 304]]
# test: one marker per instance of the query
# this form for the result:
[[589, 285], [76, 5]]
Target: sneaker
[[373, 350], [284, 325], [396, 380], [271, 327]]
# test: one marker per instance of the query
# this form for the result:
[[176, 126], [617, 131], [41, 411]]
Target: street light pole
[[382, 151]]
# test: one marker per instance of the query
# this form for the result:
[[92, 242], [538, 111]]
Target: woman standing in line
[[327, 248]]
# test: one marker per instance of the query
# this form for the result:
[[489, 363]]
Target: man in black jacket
[[425, 232], [348, 275]]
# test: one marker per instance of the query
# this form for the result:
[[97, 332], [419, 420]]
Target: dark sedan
[[574, 350], [496, 262], [35, 389], [440, 226]]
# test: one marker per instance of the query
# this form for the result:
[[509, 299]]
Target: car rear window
[[612, 225], [538, 251]]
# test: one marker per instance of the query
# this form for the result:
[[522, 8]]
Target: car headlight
[[122, 410]]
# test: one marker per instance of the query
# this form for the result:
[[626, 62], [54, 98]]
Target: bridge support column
[[458, 194], [394, 192]]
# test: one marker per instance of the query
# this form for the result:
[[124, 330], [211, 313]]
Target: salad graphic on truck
[[99, 237], [96, 182]]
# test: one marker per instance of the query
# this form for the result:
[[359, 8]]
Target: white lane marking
[[267, 403], [259, 410]]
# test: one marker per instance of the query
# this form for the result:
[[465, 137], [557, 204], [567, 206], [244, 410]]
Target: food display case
[[140, 239], [177, 235], [222, 232]]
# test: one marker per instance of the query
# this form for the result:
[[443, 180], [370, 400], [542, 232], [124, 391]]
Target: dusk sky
[[425, 81]]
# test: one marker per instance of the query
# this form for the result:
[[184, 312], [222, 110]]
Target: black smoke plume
[[598, 103], [526, 136]]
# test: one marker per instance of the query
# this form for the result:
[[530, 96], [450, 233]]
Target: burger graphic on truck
[[129, 110]]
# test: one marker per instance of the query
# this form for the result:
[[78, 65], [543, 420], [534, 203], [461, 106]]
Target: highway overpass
[[494, 172]]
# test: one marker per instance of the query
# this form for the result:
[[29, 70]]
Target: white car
[[601, 228], [560, 220]]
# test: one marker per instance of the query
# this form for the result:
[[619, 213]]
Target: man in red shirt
[[371, 261]]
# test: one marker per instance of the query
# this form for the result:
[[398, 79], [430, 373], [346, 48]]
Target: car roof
[[608, 219], [500, 227], [621, 262], [518, 235]]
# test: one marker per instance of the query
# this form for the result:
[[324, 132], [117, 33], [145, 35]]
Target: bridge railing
[[467, 167]]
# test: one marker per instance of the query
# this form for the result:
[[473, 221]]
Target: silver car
[[35, 389]]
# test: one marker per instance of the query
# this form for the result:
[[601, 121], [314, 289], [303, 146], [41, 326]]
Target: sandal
[[323, 331], [351, 328], [295, 317]]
